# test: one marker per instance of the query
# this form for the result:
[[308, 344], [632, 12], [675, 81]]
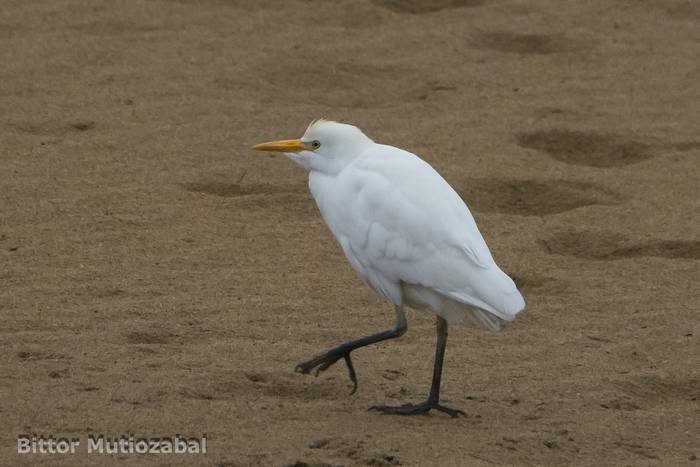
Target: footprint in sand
[[587, 148], [528, 44], [533, 197], [233, 190], [594, 149], [52, 128], [610, 246], [418, 7]]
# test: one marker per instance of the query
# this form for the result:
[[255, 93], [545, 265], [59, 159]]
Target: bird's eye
[[316, 144]]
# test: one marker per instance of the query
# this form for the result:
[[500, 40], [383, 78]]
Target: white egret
[[408, 235]]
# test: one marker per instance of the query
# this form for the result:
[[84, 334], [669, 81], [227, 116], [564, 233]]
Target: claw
[[303, 368], [325, 361]]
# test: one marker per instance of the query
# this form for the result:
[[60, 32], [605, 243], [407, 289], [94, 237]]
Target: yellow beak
[[285, 145]]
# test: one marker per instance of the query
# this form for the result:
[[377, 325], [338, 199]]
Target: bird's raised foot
[[324, 361], [417, 409]]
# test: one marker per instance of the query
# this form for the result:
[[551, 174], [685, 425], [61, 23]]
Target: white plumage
[[404, 229], [407, 233]]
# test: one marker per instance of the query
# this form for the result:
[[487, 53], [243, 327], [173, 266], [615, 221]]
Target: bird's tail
[[461, 313], [500, 292], [494, 296]]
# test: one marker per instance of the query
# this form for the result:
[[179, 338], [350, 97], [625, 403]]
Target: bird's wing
[[401, 222], [407, 198]]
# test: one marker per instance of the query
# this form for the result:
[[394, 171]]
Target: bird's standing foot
[[418, 409], [324, 361]]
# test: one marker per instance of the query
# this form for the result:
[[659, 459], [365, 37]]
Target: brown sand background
[[158, 277]]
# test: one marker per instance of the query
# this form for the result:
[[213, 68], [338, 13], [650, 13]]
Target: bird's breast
[[336, 198]]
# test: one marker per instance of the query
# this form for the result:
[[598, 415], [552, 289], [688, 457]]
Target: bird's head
[[325, 147]]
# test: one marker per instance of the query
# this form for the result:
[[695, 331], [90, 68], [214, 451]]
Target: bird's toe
[[454, 413], [405, 409], [417, 409]]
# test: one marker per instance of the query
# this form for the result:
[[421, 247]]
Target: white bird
[[408, 235]]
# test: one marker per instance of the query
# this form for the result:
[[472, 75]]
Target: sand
[[159, 277]]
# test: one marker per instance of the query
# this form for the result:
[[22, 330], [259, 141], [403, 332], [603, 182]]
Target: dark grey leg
[[434, 397], [324, 361]]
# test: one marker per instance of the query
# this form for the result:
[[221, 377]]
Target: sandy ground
[[158, 277]]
